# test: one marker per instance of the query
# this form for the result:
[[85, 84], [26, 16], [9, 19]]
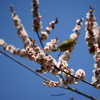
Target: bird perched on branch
[[65, 45]]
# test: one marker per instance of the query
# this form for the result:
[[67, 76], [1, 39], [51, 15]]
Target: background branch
[[61, 94], [77, 91]]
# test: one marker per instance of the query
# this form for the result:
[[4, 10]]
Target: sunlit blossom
[[3, 43], [80, 74], [53, 22], [44, 36], [46, 49], [10, 48], [23, 53], [96, 65], [92, 38], [74, 36]]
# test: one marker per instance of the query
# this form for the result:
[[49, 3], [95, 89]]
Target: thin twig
[[59, 54], [61, 94], [73, 76], [40, 40], [64, 87]]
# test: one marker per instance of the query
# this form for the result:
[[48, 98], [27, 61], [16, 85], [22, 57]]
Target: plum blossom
[[44, 36], [65, 56], [48, 64], [78, 25], [80, 74], [50, 45], [37, 27], [3, 43], [51, 83], [93, 41]]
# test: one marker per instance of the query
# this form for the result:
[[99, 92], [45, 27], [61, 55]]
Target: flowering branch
[[93, 41], [48, 64], [24, 66], [48, 80], [37, 27]]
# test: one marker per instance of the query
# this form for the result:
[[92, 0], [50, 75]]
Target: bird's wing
[[62, 43]]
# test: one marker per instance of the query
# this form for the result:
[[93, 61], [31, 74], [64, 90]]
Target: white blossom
[[80, 74]]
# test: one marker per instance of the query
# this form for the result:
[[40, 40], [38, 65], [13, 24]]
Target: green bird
[[65, 45]]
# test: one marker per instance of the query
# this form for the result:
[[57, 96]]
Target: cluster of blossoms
[[93, 41], [44, 34], [37, 27], [37, 23], [51, 83], [62, 62], [50, 45], [78, 25], [12, 49], [63, 59], [17, 23], [76, 34], [35, 53], [80, 75]]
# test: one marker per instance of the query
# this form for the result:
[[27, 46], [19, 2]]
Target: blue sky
[[18, 83]]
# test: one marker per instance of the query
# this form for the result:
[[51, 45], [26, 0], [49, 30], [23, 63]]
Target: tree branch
[[60, 68], [79, 92], [61, 86], [40, 40], [74, 76]]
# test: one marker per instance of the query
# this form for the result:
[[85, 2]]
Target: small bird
[[65, 45]]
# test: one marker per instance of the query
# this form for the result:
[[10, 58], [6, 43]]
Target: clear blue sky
[[18, 83]]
